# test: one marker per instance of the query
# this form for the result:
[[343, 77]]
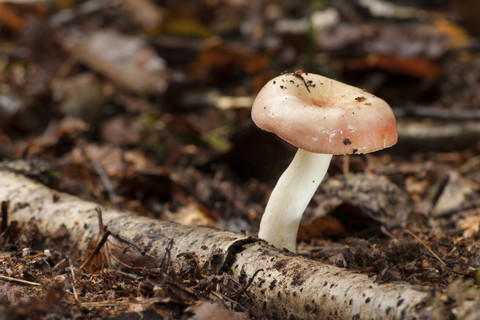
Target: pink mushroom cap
[[322, 115]]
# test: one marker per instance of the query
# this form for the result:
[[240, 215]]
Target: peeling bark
[[53, 210], [300, 288], [288, 287]]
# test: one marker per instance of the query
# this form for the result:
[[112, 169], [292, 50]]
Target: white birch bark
[[289, 287]]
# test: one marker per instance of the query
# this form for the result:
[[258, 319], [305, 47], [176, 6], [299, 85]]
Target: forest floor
[[146, 108]]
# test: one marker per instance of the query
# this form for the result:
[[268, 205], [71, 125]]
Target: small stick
[[221, 297], [97, 249], [74, 280], [103, 231], [101, 173], [426, 247], [100, 219], [30, 283], [434, 254], [95, 304], [104, 178], [166, 256], [101, 243], [55, 267], [249, 283], [298, 74]]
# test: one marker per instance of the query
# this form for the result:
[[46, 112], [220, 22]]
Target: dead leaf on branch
[[110, 251]]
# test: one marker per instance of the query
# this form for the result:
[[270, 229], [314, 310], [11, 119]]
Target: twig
[[222, 297], [166, 256], [386, 232], [104, 178], [100, 219], [97, 249], [55, 267], [97, 304], [250, 281], [105, 233], [298, 74], [40, 254], [74, 280], [30, 283], [434, 254], [426, 247]]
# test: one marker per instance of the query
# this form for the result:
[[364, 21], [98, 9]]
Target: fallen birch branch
[[287, 287]]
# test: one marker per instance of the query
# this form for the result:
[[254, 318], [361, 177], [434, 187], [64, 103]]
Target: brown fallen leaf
[[193, 215], [321, 227], [120, 131], [470, 224], [59, 137], [417, 67], [218, 54], [80, 96], [125, 60], [458, 194], [109, 157], [9, 18]]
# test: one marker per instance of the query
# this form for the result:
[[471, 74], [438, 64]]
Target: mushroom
[[321, 117]]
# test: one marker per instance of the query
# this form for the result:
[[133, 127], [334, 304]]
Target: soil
[[145, 106]]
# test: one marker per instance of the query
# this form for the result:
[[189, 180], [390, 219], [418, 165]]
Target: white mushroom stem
[[290, 197]]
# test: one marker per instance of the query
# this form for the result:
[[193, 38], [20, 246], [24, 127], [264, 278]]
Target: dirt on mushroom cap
[[322, 115]]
